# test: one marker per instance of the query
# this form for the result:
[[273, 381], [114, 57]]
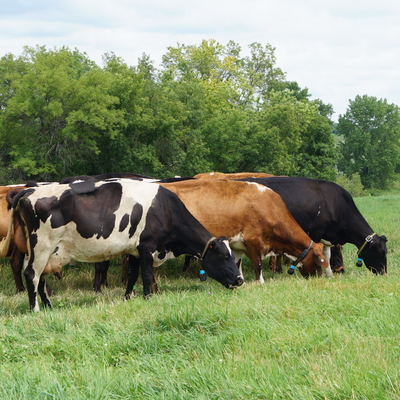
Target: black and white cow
[[94, 221], [328, 214]]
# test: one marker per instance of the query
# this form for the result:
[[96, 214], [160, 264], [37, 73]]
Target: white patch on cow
[[261, 188], [212, 174], [226, 242], [327, 253], [157, 261], [71, 245], [237, 243], [262, 281]]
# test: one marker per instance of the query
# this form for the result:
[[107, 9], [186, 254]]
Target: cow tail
[[5, 242]]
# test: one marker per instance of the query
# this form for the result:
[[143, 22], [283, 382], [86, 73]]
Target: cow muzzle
[[239, 282]]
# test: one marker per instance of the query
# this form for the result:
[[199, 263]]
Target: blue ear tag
[[359, 262], [203, 275], [291, 270]]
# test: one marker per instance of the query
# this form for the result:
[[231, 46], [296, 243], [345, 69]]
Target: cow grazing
[[275, 262], [328, 214], [255, 220], [94, 221]]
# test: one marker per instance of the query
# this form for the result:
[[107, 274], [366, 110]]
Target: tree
[[371, 146], [56, 105]]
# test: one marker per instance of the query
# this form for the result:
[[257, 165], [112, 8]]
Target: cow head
[[315, 259], [219, 263], [374, 254]]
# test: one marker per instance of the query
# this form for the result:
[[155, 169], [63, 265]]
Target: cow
[[93, 221], [255, 220], [275, 262], [336, 261], [328, 214], [16, 257]]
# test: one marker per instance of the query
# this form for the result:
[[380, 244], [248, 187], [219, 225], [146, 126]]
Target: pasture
[[292, 338]]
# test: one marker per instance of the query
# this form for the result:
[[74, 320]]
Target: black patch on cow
[[124, 222], [136, 216], [91, 208], [162, 255], [55, 250]]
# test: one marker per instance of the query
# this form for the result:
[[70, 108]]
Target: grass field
[[291, 338]]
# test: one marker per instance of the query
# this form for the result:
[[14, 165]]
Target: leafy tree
[[58, 108], [371, 147]]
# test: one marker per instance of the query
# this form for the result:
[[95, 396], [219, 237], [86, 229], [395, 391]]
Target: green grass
[[291, 338]]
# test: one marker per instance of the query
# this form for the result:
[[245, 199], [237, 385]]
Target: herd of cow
[[216, 218]]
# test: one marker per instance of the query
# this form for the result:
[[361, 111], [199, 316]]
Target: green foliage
[[59, 109], [352, 184], [371, 147], [207, 108]]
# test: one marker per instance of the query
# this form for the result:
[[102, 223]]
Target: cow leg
[[186, 264], [275, 263], [154, 285], [42, 292], [146, 263], [17, 262], [32, 281], [100, 275], [133, 275], [256, 263], [327, 254], [337, 259]]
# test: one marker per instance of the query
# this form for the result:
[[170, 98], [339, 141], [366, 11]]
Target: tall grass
[[288, 339]]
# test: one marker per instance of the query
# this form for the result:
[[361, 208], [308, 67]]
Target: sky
[[337, 49]]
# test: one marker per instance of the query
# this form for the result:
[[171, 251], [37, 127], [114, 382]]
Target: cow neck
[[206, 247], [301, 257], [303, 254], [358, 237], [367, 240]]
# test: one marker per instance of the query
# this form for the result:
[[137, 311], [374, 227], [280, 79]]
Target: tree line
[[205, 108]]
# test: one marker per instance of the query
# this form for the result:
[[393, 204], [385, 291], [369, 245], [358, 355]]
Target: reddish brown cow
[[16, 257], [256, 221]]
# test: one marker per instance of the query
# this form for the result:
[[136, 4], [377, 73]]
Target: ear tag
[[359, 262], [203, 275], [291, 270]]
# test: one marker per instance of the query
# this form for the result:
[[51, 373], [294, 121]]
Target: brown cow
[[256, 221], [16, 257], [275, 262]]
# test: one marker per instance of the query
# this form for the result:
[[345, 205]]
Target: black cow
[[94, 221], [327, 212]]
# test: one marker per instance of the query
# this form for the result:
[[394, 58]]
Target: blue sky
[[336, 49]]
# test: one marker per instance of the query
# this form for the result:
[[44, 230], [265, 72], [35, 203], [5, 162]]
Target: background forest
[[206, 108]]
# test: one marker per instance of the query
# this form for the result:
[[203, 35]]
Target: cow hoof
[[338, 270], [147, 297], [131, 295]]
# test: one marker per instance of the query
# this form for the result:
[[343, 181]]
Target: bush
[[353, 184]]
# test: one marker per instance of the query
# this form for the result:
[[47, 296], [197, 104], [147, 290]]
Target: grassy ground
[[289, 339]]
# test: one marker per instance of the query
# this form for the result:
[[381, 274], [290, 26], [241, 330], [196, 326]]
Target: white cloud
[[338, 49]]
